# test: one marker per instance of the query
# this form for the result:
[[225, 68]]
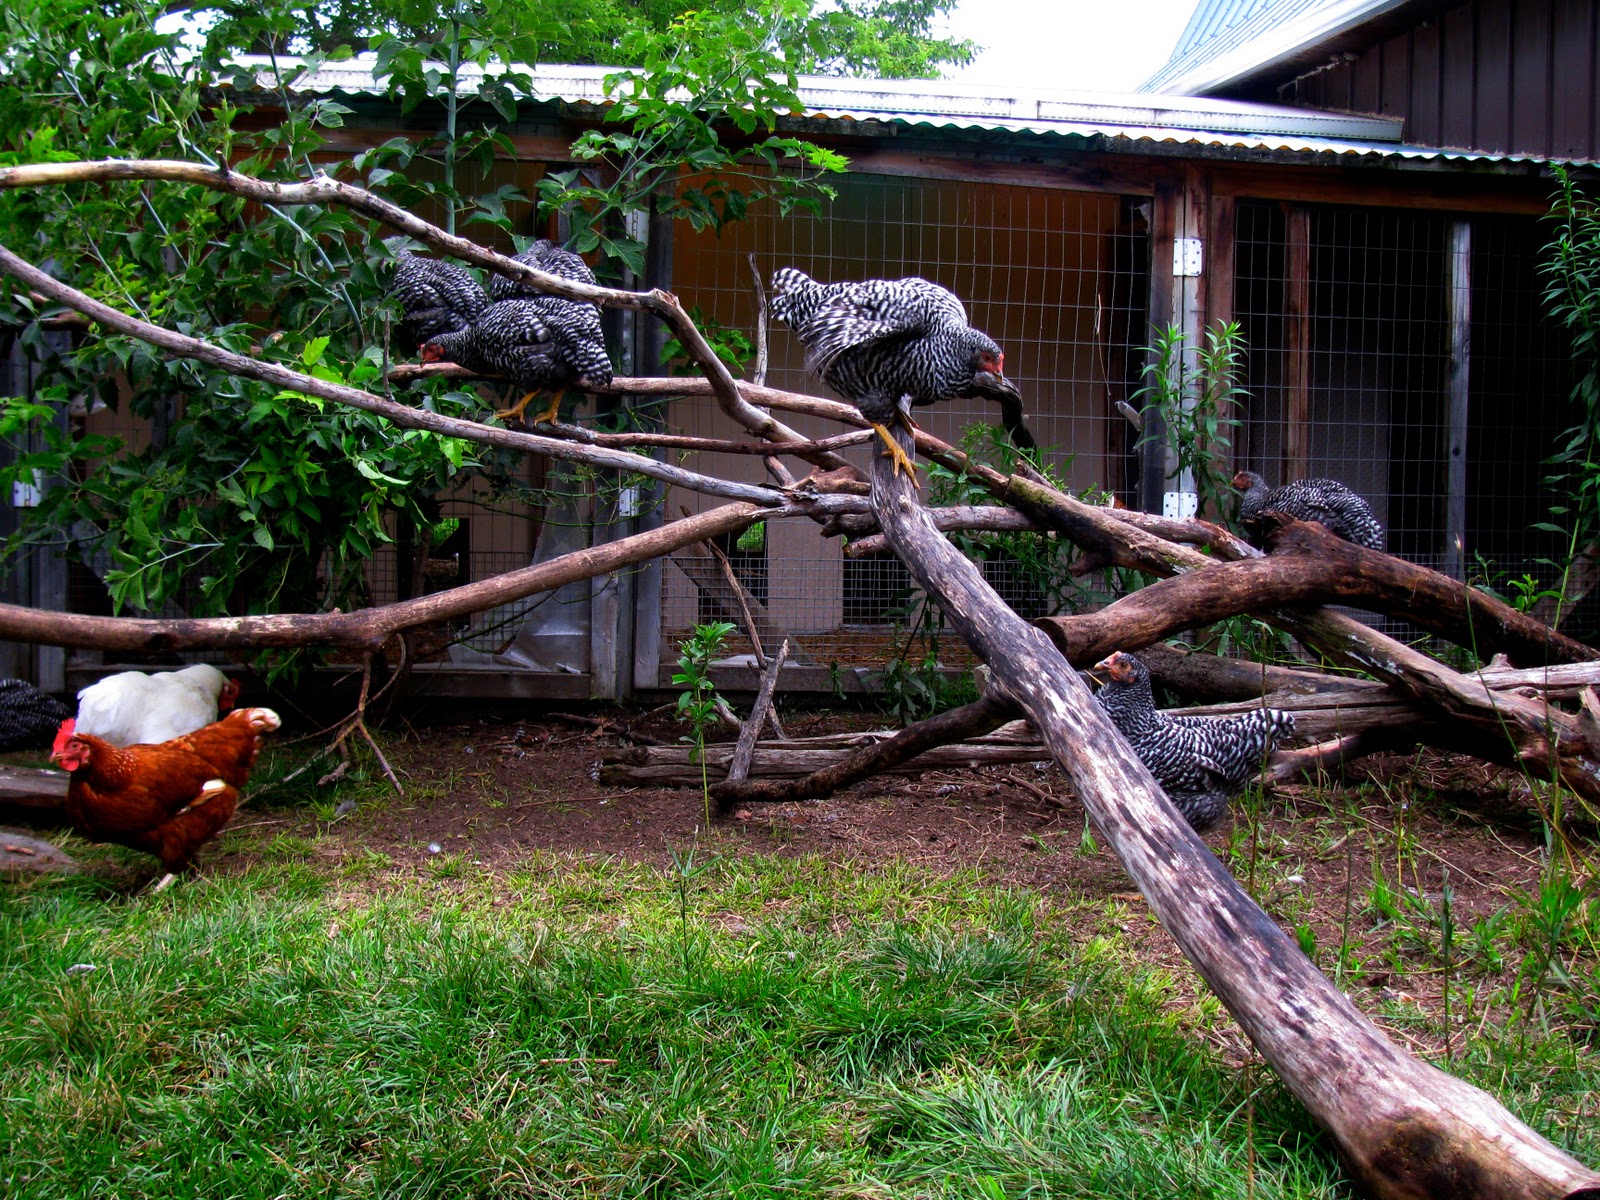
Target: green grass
[[733, 1027]]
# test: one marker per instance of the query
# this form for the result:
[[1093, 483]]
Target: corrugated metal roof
[[1228, 39], [1106, 118]]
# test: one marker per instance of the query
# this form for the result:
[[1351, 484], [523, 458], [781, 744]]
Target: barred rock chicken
[[881, 342], [167, 799], [28, 717], [131, 707], [539, 342], [1327, 502], [1200, 762], [437, 296], [544, 255]]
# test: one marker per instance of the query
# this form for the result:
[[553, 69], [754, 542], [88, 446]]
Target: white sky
[[1068, 45]]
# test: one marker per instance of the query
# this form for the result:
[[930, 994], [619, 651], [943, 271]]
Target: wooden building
[[1387, 288]]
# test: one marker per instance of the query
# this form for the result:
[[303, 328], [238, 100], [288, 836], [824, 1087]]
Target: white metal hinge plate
[[1186, 257], [1179, 506]]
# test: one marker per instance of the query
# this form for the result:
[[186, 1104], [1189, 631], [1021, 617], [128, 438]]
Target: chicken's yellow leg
[[514, 413], [899, 455], [551, 414]]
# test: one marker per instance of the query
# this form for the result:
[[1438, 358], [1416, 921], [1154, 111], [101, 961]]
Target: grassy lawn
[[738, 1026]]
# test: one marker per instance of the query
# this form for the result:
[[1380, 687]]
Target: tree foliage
[[893, 39], [245, 500]]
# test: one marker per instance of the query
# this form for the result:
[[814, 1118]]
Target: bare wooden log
[[669, 766], [1213, 677], [368, 628], [911, 748], [1405, 1128], [739, 767], [1308, 564], [33, 794]]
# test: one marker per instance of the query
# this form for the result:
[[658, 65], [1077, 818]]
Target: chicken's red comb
[[63, 735]]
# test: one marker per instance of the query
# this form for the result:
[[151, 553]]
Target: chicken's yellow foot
[[514, 413], [899, 455], [553, 413], [906, 422]]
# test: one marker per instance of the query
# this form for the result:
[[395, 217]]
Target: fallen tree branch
[[739, 766], [1405, 1129], [912, 742], [1308, 564], [366, 629]]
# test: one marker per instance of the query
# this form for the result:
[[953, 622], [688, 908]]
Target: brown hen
[[166, 799]]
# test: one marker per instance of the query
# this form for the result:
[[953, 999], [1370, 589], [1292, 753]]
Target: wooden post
[[1459, 281], [1405, 1129], [1297, 347], [1164, 206]]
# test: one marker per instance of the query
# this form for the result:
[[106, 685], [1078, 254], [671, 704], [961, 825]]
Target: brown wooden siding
[[1503, 76]]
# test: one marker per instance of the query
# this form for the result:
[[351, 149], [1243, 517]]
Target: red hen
[[167, 799]]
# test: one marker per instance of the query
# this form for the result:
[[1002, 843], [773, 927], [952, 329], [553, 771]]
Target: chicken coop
[[1388, 297]]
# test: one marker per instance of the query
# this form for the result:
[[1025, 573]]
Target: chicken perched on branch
[[1326, 502], [1200, 762], [167, 799], [436, 296], [540, 342], [132, 707], [883, 343], [544, 255]]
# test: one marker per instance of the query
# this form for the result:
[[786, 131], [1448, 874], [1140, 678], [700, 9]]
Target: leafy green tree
[[892, 39], [246, 500]]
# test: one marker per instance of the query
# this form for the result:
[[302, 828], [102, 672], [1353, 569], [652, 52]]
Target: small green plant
[[697, 703], [1197, 405]]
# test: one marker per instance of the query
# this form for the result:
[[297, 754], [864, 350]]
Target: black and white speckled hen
[[1327, 502], [1200, 762], [540, 343], [437, 297], [29, 718], [883, 342], [544, 255]]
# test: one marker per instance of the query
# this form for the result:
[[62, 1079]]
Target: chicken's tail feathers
[[784, 281], [262, 718]]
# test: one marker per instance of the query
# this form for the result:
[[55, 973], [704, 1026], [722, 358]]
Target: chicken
[[544, 255], [543, 344], [131, 707], [167, 799], [540, 342], [436, 296], [883, 343], [1327, 502], [1200, 762], [29, 718]]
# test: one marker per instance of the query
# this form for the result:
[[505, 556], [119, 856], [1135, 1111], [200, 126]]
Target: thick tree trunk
[[1406, 1129]]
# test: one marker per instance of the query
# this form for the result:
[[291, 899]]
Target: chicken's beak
[[995, 386], [1109, 668]]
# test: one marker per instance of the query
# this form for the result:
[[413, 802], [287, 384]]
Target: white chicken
[[132, 708]]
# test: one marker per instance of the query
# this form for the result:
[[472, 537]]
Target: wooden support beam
[[1458, 269], [1297, 346]]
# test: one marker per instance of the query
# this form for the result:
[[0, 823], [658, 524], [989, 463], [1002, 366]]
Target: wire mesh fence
[[1059, 278]]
